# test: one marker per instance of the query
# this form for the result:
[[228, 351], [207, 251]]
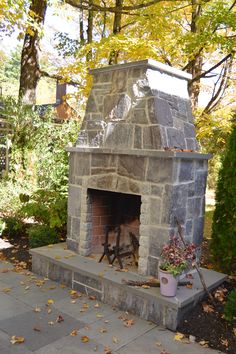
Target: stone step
[[86, 275]]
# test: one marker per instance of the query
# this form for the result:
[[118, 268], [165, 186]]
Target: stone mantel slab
[[148, 153], [149, 64]]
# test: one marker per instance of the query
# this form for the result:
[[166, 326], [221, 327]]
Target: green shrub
[[41, 235], [223, 245], [13, 226], [230, 307]]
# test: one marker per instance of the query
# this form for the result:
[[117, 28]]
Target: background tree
[[224, 220]]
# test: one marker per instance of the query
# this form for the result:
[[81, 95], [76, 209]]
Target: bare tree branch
[[59, 77]]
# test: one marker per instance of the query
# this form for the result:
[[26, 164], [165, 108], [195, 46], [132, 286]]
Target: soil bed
[[205, 323]]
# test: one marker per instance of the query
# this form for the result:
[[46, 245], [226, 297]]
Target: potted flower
[[175, 258]]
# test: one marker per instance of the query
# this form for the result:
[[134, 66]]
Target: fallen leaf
[[103, 330], [52, 287], [208, 308], [57, 257], [39, 282], [84, 339], [234, 331], [50, 302], [225, 342], [107, 350], [63, 286], [145, 286], [99, 315], [37, 309], [17, 340], [37, 329], [158, 344], [6, 290], [51, 323], [27, 287], [204, 343], [73, 333], [189, 286], [179, 336], [92, 297], [115, 340], [96, 306], [129, 323], [5, 270], [73, 301], [49, 311], [59, 319]]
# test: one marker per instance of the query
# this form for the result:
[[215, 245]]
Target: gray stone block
[[82, 165], [75, 227], [132, 166], [200, 183], [116, 106], [74, 201], [186, 172], [119, 136], [139, 116], [138, 137], [119, 80], [72, 245], [162, 113], [88, 281], [152, 137], [160, 170], [91, 104], [198, 230], [60, 274], [100, 160], [155, 211], [189, 130], [176, 138], [157, 190]]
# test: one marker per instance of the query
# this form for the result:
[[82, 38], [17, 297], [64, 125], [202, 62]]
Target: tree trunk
[[116, 29], [90, 30], [195, 66], [30, 72]]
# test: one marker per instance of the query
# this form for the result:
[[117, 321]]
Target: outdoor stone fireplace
[[136, 162]]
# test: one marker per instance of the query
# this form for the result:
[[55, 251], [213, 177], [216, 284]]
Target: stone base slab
[[86, 275]]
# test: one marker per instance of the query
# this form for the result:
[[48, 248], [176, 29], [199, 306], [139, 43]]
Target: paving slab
[[11, 307], [39, 329], [160, 340]]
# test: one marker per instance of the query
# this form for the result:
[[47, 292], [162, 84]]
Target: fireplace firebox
[[136, 163]]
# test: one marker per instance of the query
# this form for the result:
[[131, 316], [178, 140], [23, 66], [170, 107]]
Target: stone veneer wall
[[134, 111], [141, 105], [170, 184]]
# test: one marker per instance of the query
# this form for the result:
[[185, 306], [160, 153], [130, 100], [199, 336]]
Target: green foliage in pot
[[176, 257]]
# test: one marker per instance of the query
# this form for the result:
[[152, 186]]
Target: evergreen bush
[[41, 235], [223, 245], [230, 307]]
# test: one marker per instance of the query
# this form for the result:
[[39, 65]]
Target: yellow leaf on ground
[[84, 339], [37, 309], [225, 342], [179, 336], [50, 302], [103, 330], [17, 340], [107, 350], [115, 340], [6, 290], [73, 333], [96, 305], [129, 323], [99, 315]]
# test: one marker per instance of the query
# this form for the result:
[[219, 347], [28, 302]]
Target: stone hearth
[[137, 139]]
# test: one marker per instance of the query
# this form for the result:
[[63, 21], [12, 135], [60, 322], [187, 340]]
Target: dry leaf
[[57, 257], [92, 297], [73, 333], [51, 323], [37, 309], [107, 350], [158, 344], [17, 340], [99, 315], [84, 339], [49, 311], [115, 340], [27, 287], [96, 306], [73, 301], [189, 286], [37, 329], [234, 331], [63, 286], [225, 342], [6, 290], [208, 308], [50, 302], [204, 343], [129, 323], [179, 336], [145, 286], [59, 319], [103, 330]]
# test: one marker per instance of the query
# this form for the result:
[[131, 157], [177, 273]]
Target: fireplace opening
[[109, 211]]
